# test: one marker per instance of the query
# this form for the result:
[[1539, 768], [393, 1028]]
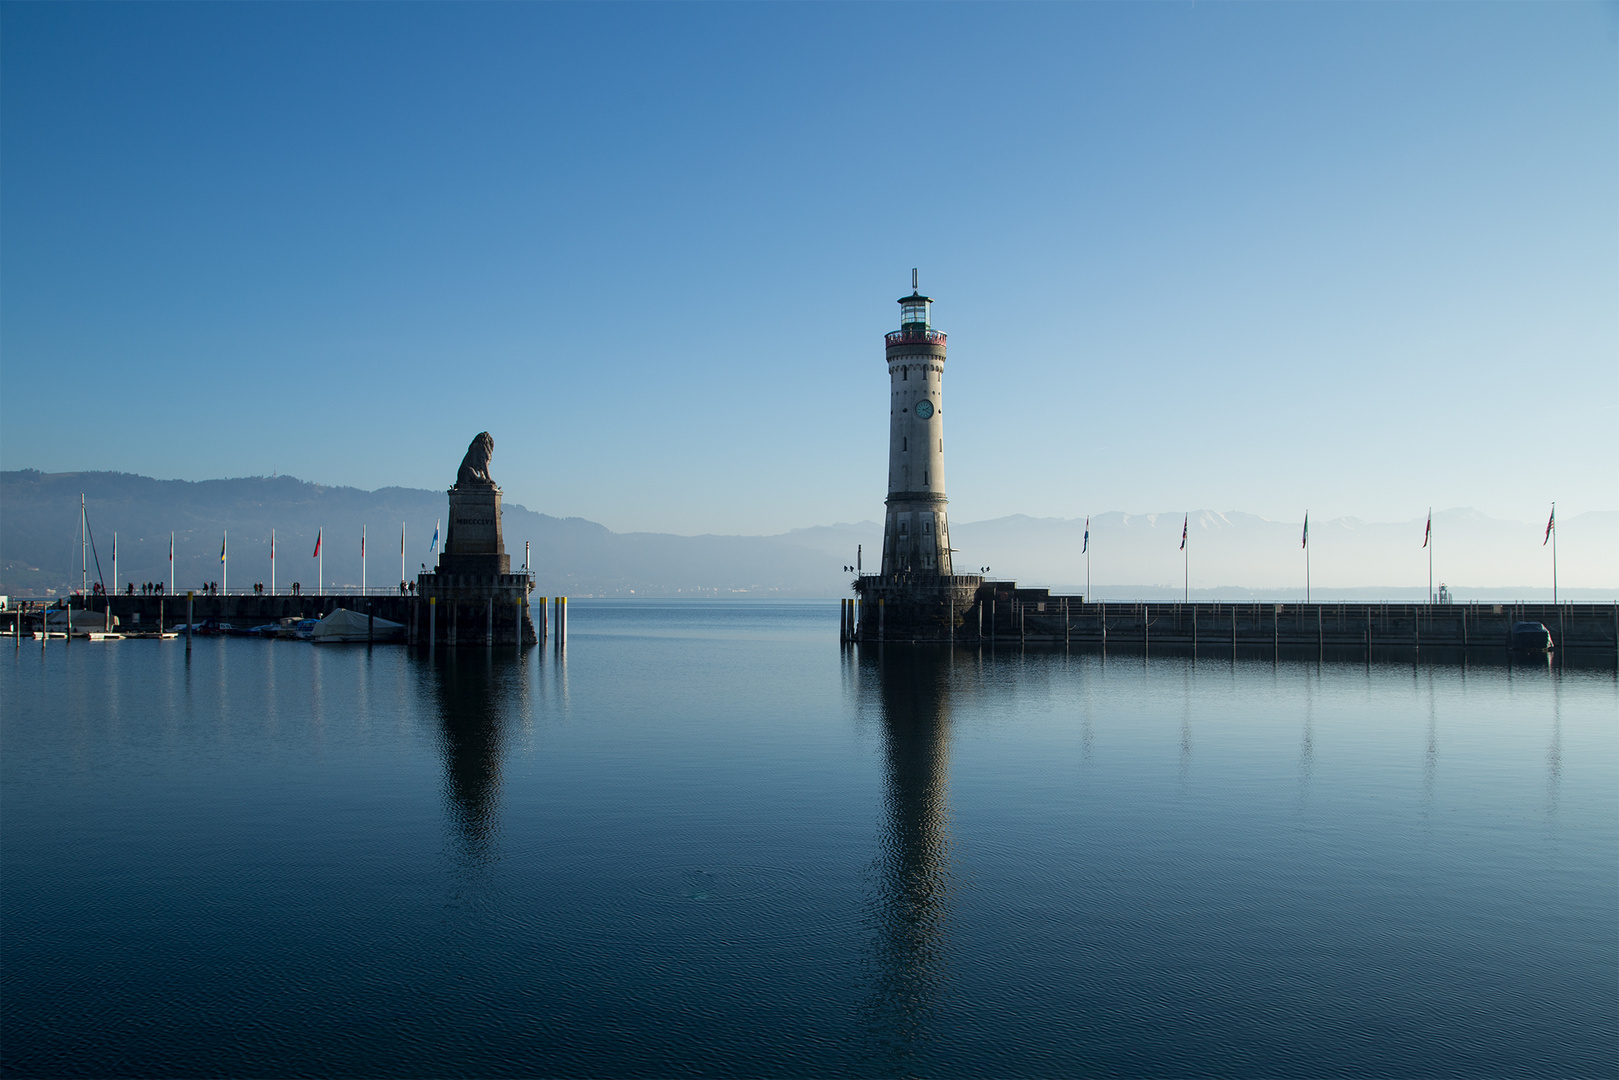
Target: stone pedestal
[[473, 542], [476, 598]]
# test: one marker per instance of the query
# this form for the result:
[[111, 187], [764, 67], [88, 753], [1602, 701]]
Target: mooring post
[[489, 623], [191, 616], [1275, 632], [1065, 622], [432, 622], [562, 621], [517, 621], [1233, 633], [370, 624], [1102, 619], [952, 590], [1320, 635], [882, 619], [1194, 631]]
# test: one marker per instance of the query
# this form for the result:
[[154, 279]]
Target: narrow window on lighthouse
[[905, 375], [904, 443]]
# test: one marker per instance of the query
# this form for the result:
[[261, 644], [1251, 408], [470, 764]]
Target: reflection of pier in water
[[478, 700], [909, 905]]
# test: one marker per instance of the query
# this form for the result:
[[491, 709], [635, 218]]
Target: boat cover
[[346, 625]]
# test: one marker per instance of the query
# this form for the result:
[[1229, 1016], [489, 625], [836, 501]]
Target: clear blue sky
[[1360, 258]]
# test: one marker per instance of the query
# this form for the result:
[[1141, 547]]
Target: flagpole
[[1554, 554], [1307, 556], [1430, 554], [401, 553], [115, 564], [224, 563], [362, 560], [272, 562], [171, 561], [84, 558]]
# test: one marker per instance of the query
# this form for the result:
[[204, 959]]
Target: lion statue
[[475, 466]]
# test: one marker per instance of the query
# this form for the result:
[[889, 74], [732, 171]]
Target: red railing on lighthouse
[[915, 337]]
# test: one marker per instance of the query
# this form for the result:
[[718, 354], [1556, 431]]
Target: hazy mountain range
[[1230, 555]]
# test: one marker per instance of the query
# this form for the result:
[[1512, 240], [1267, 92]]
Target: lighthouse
[[916, 532], [917, 596]]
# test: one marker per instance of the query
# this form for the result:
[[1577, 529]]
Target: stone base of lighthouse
[[966, 609], [472, 597], [918, 607]]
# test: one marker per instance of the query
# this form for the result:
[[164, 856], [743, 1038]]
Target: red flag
[[1183, 531], [317, 543], [1427, 529], [1551, 523]]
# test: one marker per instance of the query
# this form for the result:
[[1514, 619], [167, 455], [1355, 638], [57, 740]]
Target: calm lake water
[[707, 841]]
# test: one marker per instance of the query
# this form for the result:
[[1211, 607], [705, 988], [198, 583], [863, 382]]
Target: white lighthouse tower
[[916, 532]]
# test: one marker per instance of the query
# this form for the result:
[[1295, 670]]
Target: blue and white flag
[[434, 545]]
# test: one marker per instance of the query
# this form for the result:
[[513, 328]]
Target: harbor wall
[[1002, 614], [454, 622]]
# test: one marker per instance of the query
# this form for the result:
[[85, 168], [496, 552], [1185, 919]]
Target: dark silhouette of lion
[[475, 466]]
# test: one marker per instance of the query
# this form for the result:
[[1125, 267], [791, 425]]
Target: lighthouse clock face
[[924, 409]]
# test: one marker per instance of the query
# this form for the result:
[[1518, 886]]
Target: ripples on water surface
[[709, 842]]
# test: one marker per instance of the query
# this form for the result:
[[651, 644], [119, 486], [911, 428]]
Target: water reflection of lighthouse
[[909, 897]]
